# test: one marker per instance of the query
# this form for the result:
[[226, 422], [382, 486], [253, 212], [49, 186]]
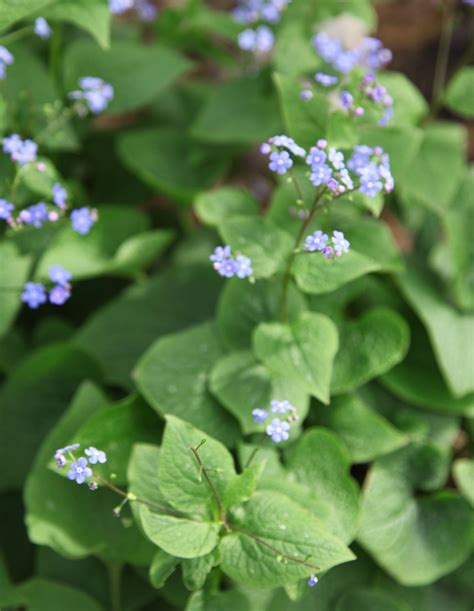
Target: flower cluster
[[35, 294], [280, 160], [79, 469], [326, 80], [318, 242], [42, 28], [20, 151], [226, 265], [6, 59], [94, 92], [374, 92], [145, 9], [372, 166], [278, 428], [258, 41], [370, 53], [328, 168], [251, 11]]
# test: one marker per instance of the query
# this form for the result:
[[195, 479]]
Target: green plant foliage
[[460, 92]]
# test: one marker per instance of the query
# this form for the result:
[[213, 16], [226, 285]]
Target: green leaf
[[242, 487], [180, 476], [214, 207], [366, 433], [372, 249], [230, 600], [196, 570], [115, 430], [450, 332], [90, 15], [43, 595], [303, 351], [138, 73], [415, 539], [259, 239], [242, 306], [172, 376], [459, 95], [305, 121], [157, 306], [321, 463], [32, 399], [75, 521], [239, 111], [241, 383], [113, 246], [179, 536], [13, 274], [290, 531], [166, 159], [418, 380], [293, 56], [14, 10], [409, 104], [463, 471], [162, 566], [370, 600], [369, 347]]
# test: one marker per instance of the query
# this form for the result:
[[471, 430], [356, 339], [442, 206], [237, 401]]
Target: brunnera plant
[[236, 323]]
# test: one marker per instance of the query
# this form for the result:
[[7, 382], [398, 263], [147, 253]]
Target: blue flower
[[369, 53], [59, 196], [316, 156], [95, 92], [346, 98], [243, 267], [227, 268], [370, 183], [35, 215], [58, 295], [288, 143], [82, 220], [59, 454], [306, 95], [258, 41], [33, 295], [94, 455], [79, 471], [281, 407], [328, 252], [280, 162], [320, 174], [6, 209], [221, 254], [259, 415], [316, 241], [118, 7], [146, 10], [326, 80], [312, 581], [20, 151], [278, 430], [6, 59], [340, 243], [59, 275], [42, 28], [336, 158]]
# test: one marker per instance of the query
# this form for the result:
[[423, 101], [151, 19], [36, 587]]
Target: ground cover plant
[[236, 306]]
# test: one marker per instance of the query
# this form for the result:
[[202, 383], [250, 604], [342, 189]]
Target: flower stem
[[16, 35], [115, 574], [210, 483], [442, 58]]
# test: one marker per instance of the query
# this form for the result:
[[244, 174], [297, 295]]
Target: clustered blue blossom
[[280, 160], [79, 470], [82, 219], [370, 53], [42, 28], [278, 428], [145, 9], [328, 168], [373, 91], [20, 151], [326, 80], [34, 294], [6, 59], [94, 92], [372, 166], [258, 41], [318, 242], [251, 11], [228, 266]]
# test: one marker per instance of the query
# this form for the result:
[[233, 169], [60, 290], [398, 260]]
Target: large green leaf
[[196, 570], [43, 595], [242, 306], [158, 306], [180, 476], [450, 332], [459, 95], [76, 521], [214, 207], [369, 347], [34, 397], [276, 521], [366, 433], [14, 10], [415, 539], [303, 351], [409, 104], [239, 111], [13, 274], [370, 600], [167, 160], [463, 471], [172, 375], [90, 15], [180, 537], [259, 239], [138, 73]]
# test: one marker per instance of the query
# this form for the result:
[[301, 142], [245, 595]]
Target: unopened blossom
[[42, 28], [59, 196], [59, 454], [6, 59]]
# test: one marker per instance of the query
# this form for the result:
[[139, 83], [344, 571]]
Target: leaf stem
[[115, 574], [287, 273], [210, 483]]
